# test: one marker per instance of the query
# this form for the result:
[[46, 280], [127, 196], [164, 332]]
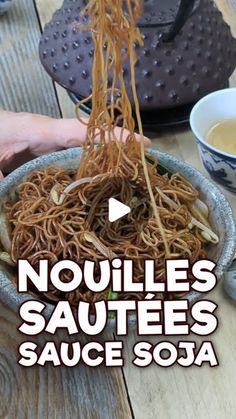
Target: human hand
[[24, 136]]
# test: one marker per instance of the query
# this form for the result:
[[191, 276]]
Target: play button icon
[[117, 210]]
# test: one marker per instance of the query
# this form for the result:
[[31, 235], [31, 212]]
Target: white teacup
[[209, 111], [5, 5]]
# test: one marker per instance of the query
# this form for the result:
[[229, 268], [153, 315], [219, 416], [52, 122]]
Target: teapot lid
[[156, 12], [161, 12], [168, 73]]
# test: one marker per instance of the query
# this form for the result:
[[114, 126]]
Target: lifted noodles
[[61, 214]]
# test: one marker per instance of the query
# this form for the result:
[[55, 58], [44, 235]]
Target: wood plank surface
[[192, 393], [60, 393], [24, 84], [228, 8], [43, 392], [45, 11], [99, 393], [188, 393]]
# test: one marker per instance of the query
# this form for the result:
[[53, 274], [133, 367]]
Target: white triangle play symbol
[[117, 210]]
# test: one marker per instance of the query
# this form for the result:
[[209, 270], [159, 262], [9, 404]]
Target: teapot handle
[[185, 9]]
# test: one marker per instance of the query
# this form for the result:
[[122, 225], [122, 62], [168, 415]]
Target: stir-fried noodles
[[61, 214]]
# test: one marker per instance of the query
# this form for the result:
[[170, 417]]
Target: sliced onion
[[210, 235], [91, 238], [167, 199], [5, 233], [55, 196], [6, 258], [194, 209], [202, 207], [59, 199]]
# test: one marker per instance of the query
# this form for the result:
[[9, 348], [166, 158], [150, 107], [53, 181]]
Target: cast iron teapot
[[188, 52]]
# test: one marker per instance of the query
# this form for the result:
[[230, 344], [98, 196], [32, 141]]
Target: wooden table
[[101, 393]]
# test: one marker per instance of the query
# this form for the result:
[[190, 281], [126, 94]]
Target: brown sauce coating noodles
[[42, 229], [159, 224]]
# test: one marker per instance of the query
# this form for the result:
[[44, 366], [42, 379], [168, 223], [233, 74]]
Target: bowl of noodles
[[56, 207], [51, 210]]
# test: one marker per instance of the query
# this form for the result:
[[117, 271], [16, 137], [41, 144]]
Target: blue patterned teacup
[[5, 5], [210, 110]]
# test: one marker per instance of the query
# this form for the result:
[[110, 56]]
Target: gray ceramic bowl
[[221, 216]]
